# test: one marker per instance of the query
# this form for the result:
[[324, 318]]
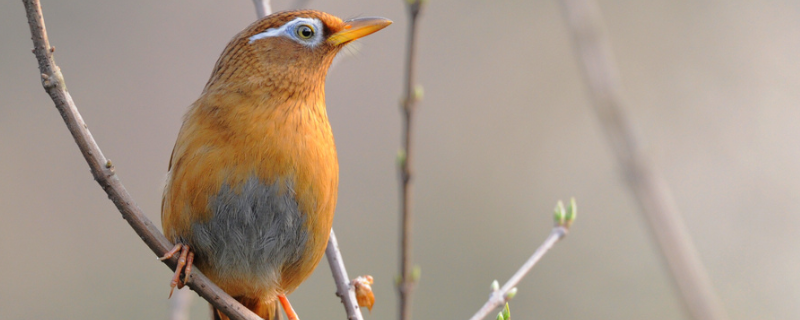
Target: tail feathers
[[267, 310]]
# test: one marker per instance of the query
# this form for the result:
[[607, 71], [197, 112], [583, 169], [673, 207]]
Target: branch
[[300, 4], [649, 187], [563, 220], [412, 96], [179, 305], [103, 170], [505, 293], [263, 8], [343, 288]]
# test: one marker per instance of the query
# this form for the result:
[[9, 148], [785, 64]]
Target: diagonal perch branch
[[103, 169]]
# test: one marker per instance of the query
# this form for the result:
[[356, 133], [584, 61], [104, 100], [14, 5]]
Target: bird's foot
[[287, 307], [184, 266]]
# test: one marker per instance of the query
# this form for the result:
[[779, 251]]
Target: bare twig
[[412, 96], [299, 4], [563, 218], [179, 305], [343, 288], [263, 8], [647, 184], [103, 170], [500, 296]]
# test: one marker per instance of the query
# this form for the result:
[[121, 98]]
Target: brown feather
[[265, 116], [257, 136]]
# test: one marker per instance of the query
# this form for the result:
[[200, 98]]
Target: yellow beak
[[358, 28]]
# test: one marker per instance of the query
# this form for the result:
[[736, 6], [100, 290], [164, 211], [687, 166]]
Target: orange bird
[[253, 177]]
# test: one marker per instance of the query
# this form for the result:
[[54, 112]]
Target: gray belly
[[256, 229]]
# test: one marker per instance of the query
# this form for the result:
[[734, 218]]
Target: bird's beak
[[358, 28]]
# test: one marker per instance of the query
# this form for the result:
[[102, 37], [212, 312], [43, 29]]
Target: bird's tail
[[267, 310]]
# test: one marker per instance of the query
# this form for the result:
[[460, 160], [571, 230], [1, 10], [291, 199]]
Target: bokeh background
[[504, 131]]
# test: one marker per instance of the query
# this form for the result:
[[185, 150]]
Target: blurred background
[[504, 131]]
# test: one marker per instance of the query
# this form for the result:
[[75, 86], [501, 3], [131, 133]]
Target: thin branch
[[412, 97], [263, 8], [648, 185], [299, 4], [501, 296], [103, 170], [343, 288], [179, 305]]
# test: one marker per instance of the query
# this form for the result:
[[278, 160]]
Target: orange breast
[[252, 189]]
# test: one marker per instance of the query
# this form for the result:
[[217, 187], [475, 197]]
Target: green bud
[[418, 92], [416, 272], [572, 212], [495, 286], [506, 313], [401, 158], [500, 316], [511, 293], [559, 213]]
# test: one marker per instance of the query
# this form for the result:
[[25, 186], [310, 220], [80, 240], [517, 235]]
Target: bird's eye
[[305, 32]]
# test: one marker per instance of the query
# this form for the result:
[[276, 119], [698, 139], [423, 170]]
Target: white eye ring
[[296, 30]]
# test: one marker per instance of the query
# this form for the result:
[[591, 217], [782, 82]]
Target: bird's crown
[[291, 50]]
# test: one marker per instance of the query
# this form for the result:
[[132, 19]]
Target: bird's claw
[[185, 261]]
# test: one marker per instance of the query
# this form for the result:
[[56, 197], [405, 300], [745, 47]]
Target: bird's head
[[287, 53]]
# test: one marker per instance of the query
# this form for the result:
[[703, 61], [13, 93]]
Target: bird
[[253, 178]]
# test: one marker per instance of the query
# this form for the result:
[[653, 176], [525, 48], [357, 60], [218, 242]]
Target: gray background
[[504, 131]]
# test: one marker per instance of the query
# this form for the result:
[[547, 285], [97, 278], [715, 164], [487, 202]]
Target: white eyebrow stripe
[[283, 31], [271, 32]]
